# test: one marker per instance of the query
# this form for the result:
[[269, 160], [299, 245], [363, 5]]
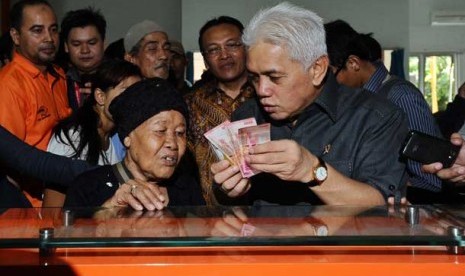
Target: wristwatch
[[320, 229], [320, 173]]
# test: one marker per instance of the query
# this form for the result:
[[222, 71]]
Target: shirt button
[[392, 187]]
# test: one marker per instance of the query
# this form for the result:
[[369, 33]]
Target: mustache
[[162, 65], [47, 47]]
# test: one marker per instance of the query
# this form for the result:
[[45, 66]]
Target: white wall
[[427, 38], [122, 14], [363, 15], [395, 23]]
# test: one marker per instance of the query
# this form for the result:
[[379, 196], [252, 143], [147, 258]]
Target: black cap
[[143, 100]]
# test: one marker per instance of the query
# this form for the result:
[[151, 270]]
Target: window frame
[[422, 61], [422, 56]]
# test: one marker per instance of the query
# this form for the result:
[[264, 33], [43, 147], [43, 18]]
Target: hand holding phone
[[428, 149]]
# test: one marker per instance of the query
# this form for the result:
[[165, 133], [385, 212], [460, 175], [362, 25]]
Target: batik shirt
[[209, 106]]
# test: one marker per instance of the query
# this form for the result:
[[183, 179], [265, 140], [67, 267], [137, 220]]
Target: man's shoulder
[[403, 89], [198, 92], [203, 87], [250, 108], [372, 102], [339, 100], [189, 96], [13, 80], [12, 72]]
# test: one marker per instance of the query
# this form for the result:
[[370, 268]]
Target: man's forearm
[[25, 159]]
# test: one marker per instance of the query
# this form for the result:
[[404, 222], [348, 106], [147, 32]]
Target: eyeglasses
[[229, 47]]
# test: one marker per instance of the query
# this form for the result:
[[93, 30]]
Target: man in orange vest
[[32, 90]]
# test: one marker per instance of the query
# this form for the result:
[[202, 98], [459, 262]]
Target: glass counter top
[[420, 225]]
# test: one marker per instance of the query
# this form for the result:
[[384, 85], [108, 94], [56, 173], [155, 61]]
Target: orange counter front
[[236, 241]]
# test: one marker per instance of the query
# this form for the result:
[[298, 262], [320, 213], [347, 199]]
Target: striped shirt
[[419, 117]]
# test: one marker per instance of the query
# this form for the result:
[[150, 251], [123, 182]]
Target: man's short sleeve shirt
[[31, 103], [357, 133]]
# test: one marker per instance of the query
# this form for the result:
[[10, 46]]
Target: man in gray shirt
[[330, 145]]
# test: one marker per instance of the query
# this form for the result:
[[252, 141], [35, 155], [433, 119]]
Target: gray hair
[[299, 30]]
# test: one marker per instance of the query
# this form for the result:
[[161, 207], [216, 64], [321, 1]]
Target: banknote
[[248, 137], [233, 129], [247, 230], [220, 142], [231, 140]]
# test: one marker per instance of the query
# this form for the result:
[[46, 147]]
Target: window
[[199, 66], [435, 75], [387, 58]]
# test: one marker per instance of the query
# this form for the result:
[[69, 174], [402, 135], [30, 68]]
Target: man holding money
[[330, 145]]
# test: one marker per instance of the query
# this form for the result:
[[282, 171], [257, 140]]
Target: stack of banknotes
[[231, 141]]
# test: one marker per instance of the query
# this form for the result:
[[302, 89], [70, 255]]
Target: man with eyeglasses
[[212, 103], [330, 145], [147, 46]]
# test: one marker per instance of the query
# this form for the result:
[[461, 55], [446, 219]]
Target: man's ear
[[14, 36], [318, 70], [130, 58], [353, 63], [66, 47], [100, 96], [127, 142]]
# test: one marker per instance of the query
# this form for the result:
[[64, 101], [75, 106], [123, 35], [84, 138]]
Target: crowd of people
[[82, 125]]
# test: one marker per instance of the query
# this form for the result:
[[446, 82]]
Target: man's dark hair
[[16, 13], [342, 41], [366, 48], [83, 18], [218, 21], [115, 50], [6, 48]]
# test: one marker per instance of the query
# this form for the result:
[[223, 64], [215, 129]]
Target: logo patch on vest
[[42, 113]]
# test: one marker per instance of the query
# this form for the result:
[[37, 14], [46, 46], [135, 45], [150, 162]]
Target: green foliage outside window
[[445, 87]]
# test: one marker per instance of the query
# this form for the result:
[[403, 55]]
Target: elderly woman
[[150, 117]]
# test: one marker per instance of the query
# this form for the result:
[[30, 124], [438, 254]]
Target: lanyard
[[77, 92]]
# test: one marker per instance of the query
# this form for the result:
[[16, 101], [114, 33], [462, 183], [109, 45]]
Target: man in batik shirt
[[212, 103]]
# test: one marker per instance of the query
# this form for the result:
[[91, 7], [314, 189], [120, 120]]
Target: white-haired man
[[330, 145]]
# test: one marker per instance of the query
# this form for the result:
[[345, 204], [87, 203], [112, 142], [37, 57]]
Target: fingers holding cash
[[229, 178], [284, 158], [246, 149], [232, 140]]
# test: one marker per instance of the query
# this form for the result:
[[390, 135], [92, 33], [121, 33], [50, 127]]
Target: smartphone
[[428, 149]]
